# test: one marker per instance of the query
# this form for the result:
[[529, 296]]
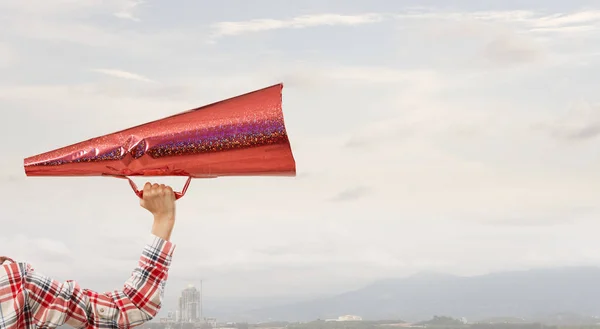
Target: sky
[[429, 137]]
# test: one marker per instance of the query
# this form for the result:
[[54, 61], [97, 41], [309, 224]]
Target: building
[[189, 305], [212, 322], [349, 318], [171, 316]]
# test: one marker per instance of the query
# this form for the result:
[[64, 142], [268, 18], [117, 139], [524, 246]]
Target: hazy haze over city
[[456, 137]]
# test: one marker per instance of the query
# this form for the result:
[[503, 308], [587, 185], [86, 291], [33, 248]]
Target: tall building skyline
[[189, 305]]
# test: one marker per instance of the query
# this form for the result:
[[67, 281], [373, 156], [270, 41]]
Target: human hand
[[160, 201]]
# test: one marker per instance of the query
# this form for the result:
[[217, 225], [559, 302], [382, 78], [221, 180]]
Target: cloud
[[64, 8], [525, 217], [122, 75], [580, 123], [352, 194], [306, 21], [503, 37], [578, 19], [7, 55], [60, 21], [316, 76], [127, 11], [27, 248], [510, 49], [526, 21], [380, 133], [435, 14], [583, 132], [583, 22], [369, 140]]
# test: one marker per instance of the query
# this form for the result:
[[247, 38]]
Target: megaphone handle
[[178, 195]]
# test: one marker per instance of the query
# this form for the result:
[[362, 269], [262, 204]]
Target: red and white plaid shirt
[[31, 300]]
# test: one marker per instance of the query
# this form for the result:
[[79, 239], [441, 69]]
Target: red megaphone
[[240, 136]]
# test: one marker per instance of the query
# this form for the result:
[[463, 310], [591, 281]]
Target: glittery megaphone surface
[[240, 136]]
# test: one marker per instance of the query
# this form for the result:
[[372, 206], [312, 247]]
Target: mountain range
[[531, 294]]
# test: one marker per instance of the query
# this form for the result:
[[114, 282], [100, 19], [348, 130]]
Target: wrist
[[163, 226], [162, 231], [164, 217]]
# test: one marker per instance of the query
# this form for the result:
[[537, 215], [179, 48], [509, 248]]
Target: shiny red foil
[[240, 136]]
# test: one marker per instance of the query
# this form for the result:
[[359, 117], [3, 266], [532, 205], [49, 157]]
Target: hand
[[160, 201]]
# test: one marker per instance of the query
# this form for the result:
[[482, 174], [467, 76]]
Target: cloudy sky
[[457, 138]]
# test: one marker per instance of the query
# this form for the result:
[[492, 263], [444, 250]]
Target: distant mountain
[[566, 319], [504, 319], [524, 294]]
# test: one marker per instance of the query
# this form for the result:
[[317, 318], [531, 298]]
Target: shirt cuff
[[160, 250]]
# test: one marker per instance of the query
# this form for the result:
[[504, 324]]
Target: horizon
[[238, 310]]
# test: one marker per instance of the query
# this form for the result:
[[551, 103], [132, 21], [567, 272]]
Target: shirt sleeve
[[52, 303]]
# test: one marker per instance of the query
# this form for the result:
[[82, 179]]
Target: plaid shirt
[[30, 300]]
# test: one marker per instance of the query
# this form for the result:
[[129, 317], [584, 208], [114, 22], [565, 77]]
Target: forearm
[[146, 285]]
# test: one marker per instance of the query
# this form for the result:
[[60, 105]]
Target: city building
[[171, 316], [212, 322], [189, 305], [349, 318]]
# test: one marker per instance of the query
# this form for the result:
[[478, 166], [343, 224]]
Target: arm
[[52, 303]]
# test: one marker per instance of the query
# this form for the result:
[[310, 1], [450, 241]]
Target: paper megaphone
[[240, 136]]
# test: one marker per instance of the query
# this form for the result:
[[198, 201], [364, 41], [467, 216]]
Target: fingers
[[169, 192], [152, 190], [160, 201]]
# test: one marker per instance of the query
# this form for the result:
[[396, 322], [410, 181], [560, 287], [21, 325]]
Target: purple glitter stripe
[[221, 138], [214, 139]]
